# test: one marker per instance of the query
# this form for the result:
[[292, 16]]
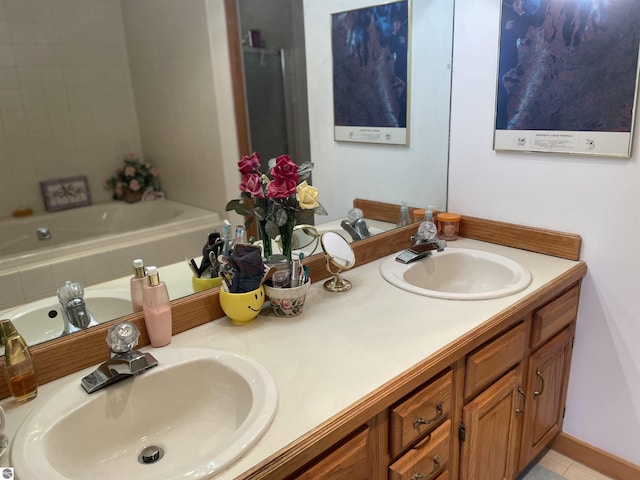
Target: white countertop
[[342, 347]]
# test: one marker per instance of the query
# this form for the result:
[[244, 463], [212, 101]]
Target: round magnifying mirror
[[339, 257]]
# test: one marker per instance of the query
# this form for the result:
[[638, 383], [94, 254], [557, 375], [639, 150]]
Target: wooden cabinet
[[491, 430], [485, 416], [506, 425]]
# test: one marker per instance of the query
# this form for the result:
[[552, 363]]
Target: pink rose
[[285, 304], [281, 187], [134, 185], [249, 164], [252, 183], [129, 171], [285, 169]]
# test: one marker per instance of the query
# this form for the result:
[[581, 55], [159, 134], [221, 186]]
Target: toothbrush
[[226, 236]]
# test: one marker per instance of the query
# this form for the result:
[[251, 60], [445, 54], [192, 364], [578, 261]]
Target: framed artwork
[[370, 57], [63, 193], [567, 76]]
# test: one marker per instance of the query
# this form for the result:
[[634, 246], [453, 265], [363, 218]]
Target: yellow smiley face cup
[[242, 308]]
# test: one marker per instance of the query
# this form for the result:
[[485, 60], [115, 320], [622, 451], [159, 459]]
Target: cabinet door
[[547, 380], [492, 426]]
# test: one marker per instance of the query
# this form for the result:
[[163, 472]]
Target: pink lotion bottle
[[157, 309], [138, 281]]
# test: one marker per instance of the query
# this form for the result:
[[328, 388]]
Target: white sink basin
[[41, 320], [458, 274], [204, 407]]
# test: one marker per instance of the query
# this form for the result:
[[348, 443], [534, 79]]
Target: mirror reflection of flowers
[[275, 200], [132, 179]]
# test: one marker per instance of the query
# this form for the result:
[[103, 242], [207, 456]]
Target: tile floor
[[569, 469]]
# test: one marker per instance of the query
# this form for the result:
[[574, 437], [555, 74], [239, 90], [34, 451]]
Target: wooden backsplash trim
[[548, 242], [67, 355]]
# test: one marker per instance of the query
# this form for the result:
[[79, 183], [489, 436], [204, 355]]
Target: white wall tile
[[37, 282], [11, 291]]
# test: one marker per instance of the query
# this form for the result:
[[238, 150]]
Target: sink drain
[[151, 454]]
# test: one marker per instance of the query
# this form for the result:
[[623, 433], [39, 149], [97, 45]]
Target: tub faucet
[[43, 233], [124, 362], [75, 315]]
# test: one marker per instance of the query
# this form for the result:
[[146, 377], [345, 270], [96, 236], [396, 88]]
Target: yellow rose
[[307, 196]]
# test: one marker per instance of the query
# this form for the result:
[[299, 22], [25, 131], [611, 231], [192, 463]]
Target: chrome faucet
[[43, 233], [124, 362], [356, 225], [424, 243], [75, 315]]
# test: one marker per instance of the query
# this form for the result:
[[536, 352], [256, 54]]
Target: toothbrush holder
[[287, 302]]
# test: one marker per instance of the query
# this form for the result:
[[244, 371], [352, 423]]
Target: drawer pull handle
[[539, 374], [524, 401], [431, 474], [434, 419]]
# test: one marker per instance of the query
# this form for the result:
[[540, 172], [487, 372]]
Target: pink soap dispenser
[[138, 281], [157, 309]]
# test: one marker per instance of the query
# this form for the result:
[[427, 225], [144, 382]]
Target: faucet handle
[[122, 337], [70, 290]]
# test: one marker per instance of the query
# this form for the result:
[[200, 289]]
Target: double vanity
[[378, 382]]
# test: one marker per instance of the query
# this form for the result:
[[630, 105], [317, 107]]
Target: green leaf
[[281, 217], [239, 207], [232, 204], [271, 229]]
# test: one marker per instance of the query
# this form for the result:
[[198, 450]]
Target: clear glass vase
[[286, 237], [267, 248]]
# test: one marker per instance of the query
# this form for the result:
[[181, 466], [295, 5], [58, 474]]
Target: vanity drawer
[[347, 462], [493, 359], [420, 412], [553, 317], [427, 459]]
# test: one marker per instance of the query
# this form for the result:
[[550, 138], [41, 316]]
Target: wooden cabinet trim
[[549, 242]]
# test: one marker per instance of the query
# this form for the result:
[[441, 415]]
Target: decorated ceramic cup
[[287, 302]]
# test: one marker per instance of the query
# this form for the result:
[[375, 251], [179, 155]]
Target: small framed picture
[[63, 193]]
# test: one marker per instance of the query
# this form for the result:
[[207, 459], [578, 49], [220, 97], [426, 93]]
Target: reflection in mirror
[[149, 87], [305, 238], [339, 257]]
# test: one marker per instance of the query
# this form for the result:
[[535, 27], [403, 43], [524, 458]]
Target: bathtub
[[95, 244]]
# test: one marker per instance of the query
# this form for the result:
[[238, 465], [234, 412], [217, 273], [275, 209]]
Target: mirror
[[339, 257], [53, 127]]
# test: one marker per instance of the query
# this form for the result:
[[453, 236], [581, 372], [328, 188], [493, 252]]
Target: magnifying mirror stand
[[339, 257], [335, 283]]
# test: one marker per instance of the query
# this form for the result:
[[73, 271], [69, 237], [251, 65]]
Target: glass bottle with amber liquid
[[18, 366]]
